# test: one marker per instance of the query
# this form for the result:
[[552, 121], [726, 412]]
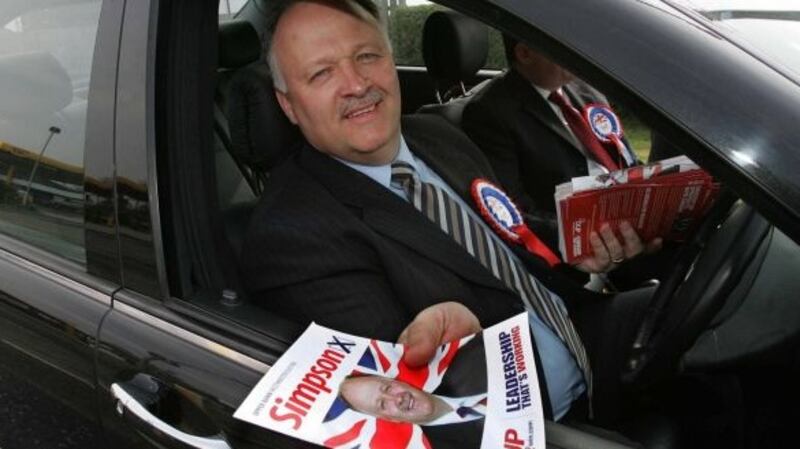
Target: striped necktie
[[469, 233]]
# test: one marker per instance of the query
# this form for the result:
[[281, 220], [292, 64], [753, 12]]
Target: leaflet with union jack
[[342, 391]]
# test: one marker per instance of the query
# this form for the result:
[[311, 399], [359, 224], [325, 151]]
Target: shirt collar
[[546, 93], [382, 174]]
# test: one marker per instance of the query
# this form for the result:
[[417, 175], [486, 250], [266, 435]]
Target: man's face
[[342, 86], [388, 399], [540, 70]]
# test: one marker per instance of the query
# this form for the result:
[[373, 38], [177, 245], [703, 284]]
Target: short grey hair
[[364, 10]]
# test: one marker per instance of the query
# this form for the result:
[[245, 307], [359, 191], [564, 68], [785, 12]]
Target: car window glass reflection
[[46, 51]]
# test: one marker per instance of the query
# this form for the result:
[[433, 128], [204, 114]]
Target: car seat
[[454, 48], [259, 134]]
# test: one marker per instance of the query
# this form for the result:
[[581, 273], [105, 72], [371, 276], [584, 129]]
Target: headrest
[[261, 135], [239, 44], [454, 46], [32, 85]]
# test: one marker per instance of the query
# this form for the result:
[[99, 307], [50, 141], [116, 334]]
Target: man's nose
[[393, 398], [355, 81]]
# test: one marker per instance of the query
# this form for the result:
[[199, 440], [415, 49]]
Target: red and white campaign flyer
[[342, 391], [666, 199]]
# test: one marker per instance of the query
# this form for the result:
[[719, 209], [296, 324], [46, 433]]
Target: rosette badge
[[607, 127], [604, 123], [500, 212]]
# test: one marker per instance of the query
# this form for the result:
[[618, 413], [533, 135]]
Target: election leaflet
[[665, 199], [342, 391]]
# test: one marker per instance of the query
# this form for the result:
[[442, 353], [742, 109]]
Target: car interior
[[219, 187]]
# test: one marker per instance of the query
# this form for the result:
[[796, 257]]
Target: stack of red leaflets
[[664, 199]]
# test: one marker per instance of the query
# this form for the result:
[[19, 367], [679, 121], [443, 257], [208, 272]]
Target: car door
[[58, 261], [170, 374]]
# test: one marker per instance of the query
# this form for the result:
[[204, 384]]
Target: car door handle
[[131, 409]]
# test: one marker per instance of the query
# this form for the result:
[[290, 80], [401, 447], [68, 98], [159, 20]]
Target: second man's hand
[[609, 252]]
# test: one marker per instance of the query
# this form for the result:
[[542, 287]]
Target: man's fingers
[[633, 244], [433, 327], [601, 255], [654, 245], [598, 263], [615, 251]]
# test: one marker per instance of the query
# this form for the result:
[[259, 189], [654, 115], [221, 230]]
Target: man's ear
[[286, 105]]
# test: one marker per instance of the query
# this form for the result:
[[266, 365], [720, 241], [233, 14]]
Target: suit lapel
[[540, 109], [389, 215]]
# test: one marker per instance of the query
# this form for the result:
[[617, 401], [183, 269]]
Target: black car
[[126, 182]]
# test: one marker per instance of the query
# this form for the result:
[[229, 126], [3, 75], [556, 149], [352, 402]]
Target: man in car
[[539, 126], [531, 124], [369, 224]]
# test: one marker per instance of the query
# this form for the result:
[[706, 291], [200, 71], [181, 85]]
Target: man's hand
[[433, 327], [609, 252]]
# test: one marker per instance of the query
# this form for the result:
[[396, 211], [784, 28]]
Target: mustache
[[371, 96]]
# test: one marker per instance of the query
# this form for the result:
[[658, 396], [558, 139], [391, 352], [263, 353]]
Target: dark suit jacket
[[529, 148]]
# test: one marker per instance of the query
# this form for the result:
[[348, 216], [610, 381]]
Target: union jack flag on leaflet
[[354, 430]]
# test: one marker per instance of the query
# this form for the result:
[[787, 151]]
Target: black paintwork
[[135, 141]]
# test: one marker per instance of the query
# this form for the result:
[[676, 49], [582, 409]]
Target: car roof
[[727, 108], [740, 5]]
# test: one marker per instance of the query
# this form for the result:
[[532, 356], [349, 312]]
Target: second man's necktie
[[581, 130]]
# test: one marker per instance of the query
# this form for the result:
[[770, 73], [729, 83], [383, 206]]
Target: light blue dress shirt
[[564, 379]]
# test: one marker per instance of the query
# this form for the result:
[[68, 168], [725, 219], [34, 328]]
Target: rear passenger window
[[46, 50]]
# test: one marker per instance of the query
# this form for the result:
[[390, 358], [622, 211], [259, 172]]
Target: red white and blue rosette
[[506, 220], [607, 127]]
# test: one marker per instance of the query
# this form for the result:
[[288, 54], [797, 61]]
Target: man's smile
[[362, 112]]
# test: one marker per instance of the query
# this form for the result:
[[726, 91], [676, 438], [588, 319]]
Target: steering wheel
[[705, 272]]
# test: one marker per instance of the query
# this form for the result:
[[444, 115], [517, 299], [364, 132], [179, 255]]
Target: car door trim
[[210, 345], [59, 278]]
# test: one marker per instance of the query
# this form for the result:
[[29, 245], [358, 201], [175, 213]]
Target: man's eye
[[380, 404], [368, 57], [320, 74]]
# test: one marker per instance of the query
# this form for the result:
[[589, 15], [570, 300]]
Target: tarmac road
[[32, 420]]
